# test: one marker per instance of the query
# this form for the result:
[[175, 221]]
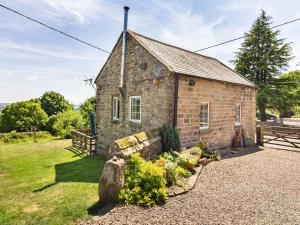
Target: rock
[[112, 180]]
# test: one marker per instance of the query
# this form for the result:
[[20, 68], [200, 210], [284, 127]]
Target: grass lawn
[[44, 183]]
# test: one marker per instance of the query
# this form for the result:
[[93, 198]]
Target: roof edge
[[108, 58]]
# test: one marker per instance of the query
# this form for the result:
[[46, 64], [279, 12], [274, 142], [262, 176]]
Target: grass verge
[[44, 183]]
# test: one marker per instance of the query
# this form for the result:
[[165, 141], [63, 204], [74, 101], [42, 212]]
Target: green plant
[[176, 166], [86, 107], [195, 151], [145, 183], [191, 163], [182, 172], [170, 138], [202, 144], [66, 122], [212, 154]]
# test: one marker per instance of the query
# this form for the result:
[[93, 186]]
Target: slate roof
[[185, 62]]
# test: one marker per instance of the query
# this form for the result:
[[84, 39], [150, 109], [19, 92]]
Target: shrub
[[66, 122], [202, 144], [195, 151], [49, 125], [170, 138], [182, 172], [86, 107], [175, 165], [16, 137], [145, 184], [211, 153]]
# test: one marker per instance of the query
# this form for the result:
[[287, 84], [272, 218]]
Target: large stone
[[112, 180], [148, 148]]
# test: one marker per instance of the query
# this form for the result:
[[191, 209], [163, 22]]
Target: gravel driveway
[[257, 188]]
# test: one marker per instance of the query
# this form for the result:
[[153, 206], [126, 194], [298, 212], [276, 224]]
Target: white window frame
[[135, 120], [238, 106], [208, 115], [115, 108]]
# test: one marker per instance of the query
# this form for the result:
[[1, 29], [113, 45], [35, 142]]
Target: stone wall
[[156, 99], [148, 145], [222, 98]]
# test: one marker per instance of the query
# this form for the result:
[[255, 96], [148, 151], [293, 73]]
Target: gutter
[[175, 100]]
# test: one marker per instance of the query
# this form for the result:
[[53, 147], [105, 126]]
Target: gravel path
[[258, 188]]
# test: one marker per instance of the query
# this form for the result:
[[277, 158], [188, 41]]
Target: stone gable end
[[156, 99]]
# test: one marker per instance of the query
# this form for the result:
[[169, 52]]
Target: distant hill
[[2, 105]]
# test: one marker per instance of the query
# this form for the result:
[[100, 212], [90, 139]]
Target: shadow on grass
[[87, 169], [76, 151]]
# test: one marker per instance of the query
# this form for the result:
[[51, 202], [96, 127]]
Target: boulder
[[112, 180]]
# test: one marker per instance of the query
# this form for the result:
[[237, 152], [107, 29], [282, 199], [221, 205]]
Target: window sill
[[205, 130], [115, 121], [237, 125]]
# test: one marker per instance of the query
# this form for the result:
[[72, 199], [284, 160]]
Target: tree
[[23, 116], [86, 107], [53, 103], [67, 121], [284, 94], [262, 57]]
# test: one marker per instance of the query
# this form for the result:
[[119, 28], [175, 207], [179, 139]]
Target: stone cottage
[[162, 83]]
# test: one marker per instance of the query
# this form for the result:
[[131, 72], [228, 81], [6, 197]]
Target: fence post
[[259, 136]]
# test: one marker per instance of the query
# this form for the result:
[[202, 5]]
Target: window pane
[[135, 109], [238, 114], [204, 115]]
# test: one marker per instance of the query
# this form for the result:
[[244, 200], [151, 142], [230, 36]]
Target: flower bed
[[150, 182]]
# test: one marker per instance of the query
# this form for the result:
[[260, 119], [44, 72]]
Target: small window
[[238, 114], [116, 108], [135, 109], [204, 115]]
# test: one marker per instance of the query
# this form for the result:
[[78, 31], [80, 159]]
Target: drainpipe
[[175, 101], [121, 87]]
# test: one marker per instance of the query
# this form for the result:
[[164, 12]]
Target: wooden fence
[[81, 139], [280, 136]]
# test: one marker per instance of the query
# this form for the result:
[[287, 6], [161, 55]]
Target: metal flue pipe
[[126, 8]]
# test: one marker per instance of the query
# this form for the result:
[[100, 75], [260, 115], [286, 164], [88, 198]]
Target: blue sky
[[34, 59]]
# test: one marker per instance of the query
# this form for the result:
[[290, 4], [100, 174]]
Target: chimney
[[126, 8]]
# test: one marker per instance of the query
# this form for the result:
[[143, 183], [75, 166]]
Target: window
[[135, 109], [238, 114], [204, 115], [116, 108]]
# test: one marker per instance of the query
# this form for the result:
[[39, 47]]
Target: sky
[[34, 59]]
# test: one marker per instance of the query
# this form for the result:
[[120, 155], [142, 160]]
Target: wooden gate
[[278, 136], [81, 139]]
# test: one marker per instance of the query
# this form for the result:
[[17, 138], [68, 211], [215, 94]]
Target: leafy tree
[[85, 108], [284, 94], [67, 121], [262, 57], [53, 103], [22, 116]]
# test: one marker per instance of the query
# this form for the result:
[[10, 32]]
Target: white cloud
[[42, 50]]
